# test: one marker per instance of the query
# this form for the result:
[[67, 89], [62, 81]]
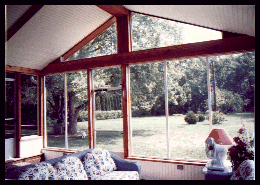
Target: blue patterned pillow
[[98, 162], [40, 171], [71, 168]]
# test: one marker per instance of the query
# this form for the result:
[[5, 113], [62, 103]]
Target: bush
[[191, 118], [217, 117], [201, 116], [101, 115]]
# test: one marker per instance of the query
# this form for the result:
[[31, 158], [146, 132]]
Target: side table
[[218, 175]]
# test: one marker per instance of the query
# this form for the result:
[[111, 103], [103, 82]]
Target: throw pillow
[[39, 171], [98, 162], [71, 168]]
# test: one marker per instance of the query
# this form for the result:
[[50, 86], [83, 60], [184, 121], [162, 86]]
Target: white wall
[[9, 148], [30, 145]]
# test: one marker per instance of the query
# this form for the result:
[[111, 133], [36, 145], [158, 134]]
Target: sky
[[197, 34]]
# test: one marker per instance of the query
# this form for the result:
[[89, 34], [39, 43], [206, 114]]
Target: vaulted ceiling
[[52, 30]]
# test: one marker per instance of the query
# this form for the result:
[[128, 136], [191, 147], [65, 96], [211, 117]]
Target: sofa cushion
[[119, 175], [245, 171], [71, 168], [40, 171], [98, 162]]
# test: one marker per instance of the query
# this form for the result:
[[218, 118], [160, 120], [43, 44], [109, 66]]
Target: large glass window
[[104, 44], [148, 109], [108, 109], [234, 79], [9, 105], [29, 105], [234, 91], [187, 88], [152, 32], [77, 111], [54, 86]]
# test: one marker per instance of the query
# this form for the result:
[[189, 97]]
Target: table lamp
[[220, 137]]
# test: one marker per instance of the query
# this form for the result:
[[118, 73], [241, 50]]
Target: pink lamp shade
[[220, 136]]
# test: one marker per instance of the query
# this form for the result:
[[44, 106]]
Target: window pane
[[108, 109], [104, 44], [77, 102], [152, 32], [187, 88], [9, 105], [148, 110], [29, 105], [235, 91], [55, 110]]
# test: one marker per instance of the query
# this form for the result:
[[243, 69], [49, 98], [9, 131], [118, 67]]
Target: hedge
[[101, 115]]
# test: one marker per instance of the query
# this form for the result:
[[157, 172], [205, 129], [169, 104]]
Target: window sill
[[31, 137], [174, 161]]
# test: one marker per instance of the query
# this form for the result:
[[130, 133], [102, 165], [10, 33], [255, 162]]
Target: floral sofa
[[245, 171], [90, 164]]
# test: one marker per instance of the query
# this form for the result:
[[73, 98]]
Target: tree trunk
[[73, 113], [72, 128]]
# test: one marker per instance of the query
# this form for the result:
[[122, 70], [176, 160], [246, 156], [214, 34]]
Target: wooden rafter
[[22, 20], [22, 70], [214, 47], [115, 10]]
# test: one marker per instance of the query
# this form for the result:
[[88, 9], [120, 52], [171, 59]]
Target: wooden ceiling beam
[[22, 70], [115, 10], [214, 47], [22, 20]]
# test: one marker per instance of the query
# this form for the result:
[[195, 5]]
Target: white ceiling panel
[[232, 18], [52, 31], [14, 12]]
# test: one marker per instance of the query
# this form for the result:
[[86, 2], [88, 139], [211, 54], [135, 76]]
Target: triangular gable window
[[104, 44]]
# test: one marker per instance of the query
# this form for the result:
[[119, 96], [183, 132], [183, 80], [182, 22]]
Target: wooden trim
[[40, 106], [18, 113], [226, 34], [123, 34], [214, 47], [60, 149], [22, 20], [126, 106], [174, 161], [123, 46], [22, 70], [89, 38], [115, 10], [90, 108]]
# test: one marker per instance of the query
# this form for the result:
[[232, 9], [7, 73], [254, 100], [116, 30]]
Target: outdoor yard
[[149, 135]]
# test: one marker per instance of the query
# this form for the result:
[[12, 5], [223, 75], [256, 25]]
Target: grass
[[149, 135]]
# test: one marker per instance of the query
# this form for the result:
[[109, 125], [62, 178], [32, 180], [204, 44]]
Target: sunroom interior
[[81, 76]]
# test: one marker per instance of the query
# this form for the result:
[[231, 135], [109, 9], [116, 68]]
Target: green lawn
[[149, 135]]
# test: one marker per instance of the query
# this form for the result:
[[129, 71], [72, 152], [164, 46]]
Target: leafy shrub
[[201, 116], [217, 117], [191, 118]]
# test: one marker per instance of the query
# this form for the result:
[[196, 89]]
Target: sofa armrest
[[124, 165]]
